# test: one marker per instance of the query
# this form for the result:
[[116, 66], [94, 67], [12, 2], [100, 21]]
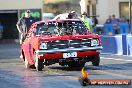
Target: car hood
[[66, 37]]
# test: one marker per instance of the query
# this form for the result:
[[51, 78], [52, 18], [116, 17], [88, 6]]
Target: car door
[[31, 44], [28, 46]]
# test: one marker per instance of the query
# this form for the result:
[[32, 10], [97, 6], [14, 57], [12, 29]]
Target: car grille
[[62, 44]]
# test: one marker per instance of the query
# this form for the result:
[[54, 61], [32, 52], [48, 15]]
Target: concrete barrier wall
[[129, 44], [118, 44], [112, 44]]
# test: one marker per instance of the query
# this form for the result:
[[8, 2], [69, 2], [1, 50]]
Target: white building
[[105, 8], [12, 10]]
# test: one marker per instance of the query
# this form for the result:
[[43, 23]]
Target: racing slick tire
[[96, 60], [27, 65], [39, 63]]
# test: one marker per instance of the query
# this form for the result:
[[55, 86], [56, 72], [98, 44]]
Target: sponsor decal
[[85, 81], [34, 13]]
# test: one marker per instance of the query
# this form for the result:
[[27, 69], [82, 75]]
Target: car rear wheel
[[96, 60], [39, 63]]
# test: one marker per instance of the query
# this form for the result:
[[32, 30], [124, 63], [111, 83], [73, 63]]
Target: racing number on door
[[71, 54]]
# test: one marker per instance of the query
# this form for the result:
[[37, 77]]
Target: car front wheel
[[39, 63], [96, 60]]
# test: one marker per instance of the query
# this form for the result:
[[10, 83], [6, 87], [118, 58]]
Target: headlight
[[43, 46], [94, 42]]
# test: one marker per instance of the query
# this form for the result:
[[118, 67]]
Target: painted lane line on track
[[115, 74], [115, 59], [107, 58], [128, 60], [118, 59]]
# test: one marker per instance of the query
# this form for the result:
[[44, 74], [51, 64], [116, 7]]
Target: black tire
[[39, 63], [27, 65], [96, 60]]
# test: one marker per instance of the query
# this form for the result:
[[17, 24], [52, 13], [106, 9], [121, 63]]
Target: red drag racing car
[[43, 45]]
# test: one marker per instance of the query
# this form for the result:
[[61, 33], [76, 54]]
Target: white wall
[[20, 4], [101, 10], [108, 7], [83, 4]]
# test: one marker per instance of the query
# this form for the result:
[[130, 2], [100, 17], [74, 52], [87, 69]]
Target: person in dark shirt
[[115, 24], [23, 25]]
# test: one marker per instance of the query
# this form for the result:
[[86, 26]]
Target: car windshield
[[68, 27], [45, 29]]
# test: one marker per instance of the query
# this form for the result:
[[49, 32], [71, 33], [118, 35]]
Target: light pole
[[130, 15]]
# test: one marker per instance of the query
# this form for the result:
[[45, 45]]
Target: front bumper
[[40, 52]]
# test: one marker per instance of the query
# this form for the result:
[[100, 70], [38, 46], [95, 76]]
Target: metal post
[[130, 15]]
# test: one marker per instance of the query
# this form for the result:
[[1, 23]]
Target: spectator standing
[[124, 26], [115, 23], [109, 19], [108, 27], [1, 30], [94, 20], [24, 24], [87, 21]]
